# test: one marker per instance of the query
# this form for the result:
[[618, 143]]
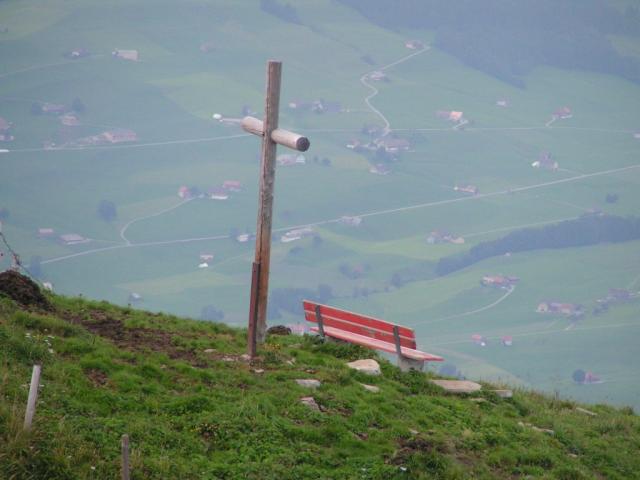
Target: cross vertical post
[[271, 137]]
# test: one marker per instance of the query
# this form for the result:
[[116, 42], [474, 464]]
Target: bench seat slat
[[378, 344], [330, 321], [358, 319]]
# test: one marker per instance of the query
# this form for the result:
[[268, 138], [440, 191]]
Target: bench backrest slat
[[360, 324]]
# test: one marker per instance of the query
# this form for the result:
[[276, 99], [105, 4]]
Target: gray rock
[[371, 388], [308, 382], [311, 403], [368, 366], [458, 386]]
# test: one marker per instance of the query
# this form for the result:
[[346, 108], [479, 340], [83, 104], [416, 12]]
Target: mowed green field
[[168, 98]]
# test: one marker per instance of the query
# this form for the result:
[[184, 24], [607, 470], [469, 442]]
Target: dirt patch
[[97, 377], [410, 447], [136, 338], [23, 290]]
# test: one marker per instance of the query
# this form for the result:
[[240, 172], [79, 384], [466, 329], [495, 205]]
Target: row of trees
[[283, 11], [583, 231], [508, 39]]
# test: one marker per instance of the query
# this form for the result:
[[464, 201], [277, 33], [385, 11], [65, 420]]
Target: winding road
[[375, 91]]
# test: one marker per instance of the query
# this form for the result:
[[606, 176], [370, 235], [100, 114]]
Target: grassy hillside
[[153, 246], [195, 409]]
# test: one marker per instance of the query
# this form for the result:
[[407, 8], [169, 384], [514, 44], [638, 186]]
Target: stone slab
[[458, 386]]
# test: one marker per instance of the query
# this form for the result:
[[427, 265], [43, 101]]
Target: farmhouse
[[46, 232], [243, 237], [479, 340], [568, 309], [502, 103], [77, 53], [466, 188], [392, 145], [350, 221], [299, 105], [507, 341], [296, 234], [185, 192], [232, 185], [354, 144], [440, 236], [414, 44], [5, 137], [69, 120], [120, 135], [206, 257], [546, 162], [377, 76], [135, 297], [290, 159], [4, 125], [380, 169], [499, 281], [53, 108], [131, 55], [217, 193], [203, 265], [590, 378], [73, 239], [562, 113]]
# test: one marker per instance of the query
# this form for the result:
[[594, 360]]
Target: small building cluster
[[315, 106], [350, 221], [131, 55], [566, 309], [288, 159], [380, 169], [562, 113], [414, 45], [73, 239], [466, 188], [545, 161], [77, 53], [5, 131], [499, 281], [440, 236], [614, 297], [297, 234], [109, 137], [454, 116]]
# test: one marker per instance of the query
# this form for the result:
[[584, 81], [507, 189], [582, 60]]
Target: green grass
[[172, 92], [193, 414]]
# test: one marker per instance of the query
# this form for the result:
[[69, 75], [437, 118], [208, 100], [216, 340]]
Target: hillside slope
[[195, 409]]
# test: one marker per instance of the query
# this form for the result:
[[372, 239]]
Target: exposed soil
[[136, 338], [23, 290], [97, 377]]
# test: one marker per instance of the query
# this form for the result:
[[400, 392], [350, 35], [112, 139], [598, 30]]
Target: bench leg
[[405, 364]]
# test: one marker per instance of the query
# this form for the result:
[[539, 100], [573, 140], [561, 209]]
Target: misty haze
[[473, 177]]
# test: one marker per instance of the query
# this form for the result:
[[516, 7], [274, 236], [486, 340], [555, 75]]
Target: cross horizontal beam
[[279, 136]]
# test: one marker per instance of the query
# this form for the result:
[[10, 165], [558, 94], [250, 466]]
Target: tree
[[611, 198], [579, 376], [107, 210], [78, 105], [211, 314], [36, 109]]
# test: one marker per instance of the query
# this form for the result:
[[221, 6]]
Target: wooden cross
[[271, 137]]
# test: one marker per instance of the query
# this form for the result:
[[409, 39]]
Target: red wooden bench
[[368, 332]]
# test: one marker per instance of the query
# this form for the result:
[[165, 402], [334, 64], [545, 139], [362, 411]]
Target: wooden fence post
[[125, 457], [33, 397]]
